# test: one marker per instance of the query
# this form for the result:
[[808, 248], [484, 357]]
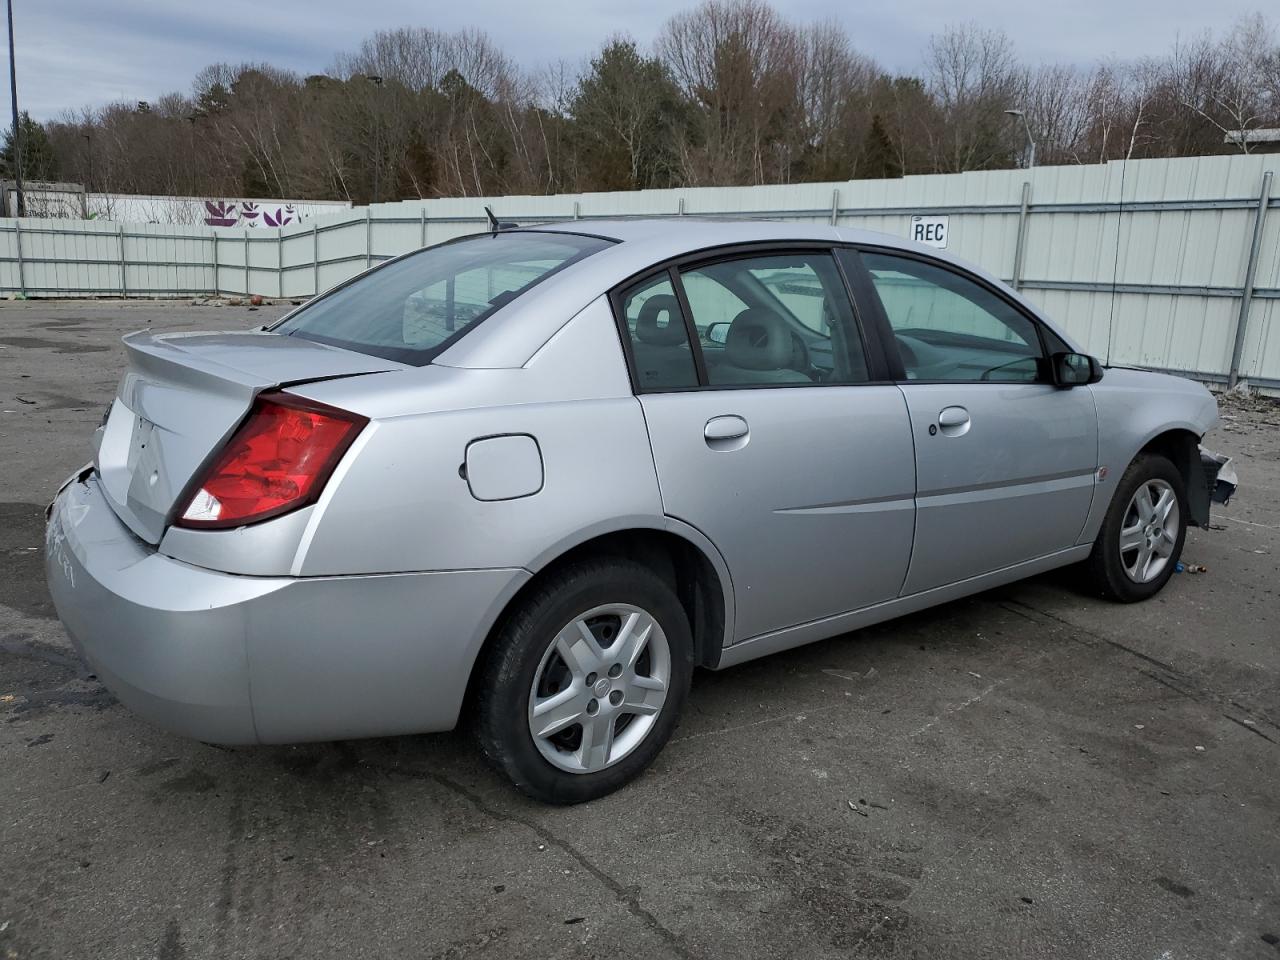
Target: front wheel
[[585, 681], [1137, 549]]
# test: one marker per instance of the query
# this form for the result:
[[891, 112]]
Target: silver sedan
[[545, 473]]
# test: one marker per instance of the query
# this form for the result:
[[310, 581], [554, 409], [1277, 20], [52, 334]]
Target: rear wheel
[[1141, 538], [585, 681]]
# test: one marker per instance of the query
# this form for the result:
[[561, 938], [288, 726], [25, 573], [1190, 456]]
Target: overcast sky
[[73, 53]]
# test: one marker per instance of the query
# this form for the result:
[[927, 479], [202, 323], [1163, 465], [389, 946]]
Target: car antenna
[[495, 224]]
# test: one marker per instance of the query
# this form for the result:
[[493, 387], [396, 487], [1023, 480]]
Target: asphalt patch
[[22, 581], [57, 346]]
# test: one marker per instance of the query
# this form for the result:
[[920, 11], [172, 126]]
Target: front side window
[[410, 310], [947, 327], [775, 319]]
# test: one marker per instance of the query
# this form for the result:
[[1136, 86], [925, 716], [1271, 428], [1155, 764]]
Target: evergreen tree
[[38, 159]]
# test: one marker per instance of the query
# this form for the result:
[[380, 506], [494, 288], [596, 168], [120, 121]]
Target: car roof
[[664, 238], [513, 334], [694, 232]]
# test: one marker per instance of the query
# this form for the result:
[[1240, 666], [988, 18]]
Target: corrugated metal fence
[[1168, 264]]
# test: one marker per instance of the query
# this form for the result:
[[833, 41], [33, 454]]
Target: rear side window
[[659, 337], [412, 309], [775, 319]]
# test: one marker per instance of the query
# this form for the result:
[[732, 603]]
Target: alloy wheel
[[599, 688], [1149, 531]]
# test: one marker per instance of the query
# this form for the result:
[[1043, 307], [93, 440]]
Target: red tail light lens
[[278, 460]]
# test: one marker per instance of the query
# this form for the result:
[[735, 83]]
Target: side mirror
[[1075, 369], [718, 332]]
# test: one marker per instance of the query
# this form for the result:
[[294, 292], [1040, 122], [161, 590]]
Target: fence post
[[315, 259], [835, 206], [1020, 250], [368, 237], [280, 262], [124, 284], [246, 261], [423, 242], [575, 210], [1250, 274], [17, 235], [216, 291], [680, 208]]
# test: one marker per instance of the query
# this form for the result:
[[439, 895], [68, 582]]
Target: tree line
[[731, 92]]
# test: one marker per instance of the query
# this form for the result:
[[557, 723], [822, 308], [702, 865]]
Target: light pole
[[88, 183], [1031, 143], [377, 139], [16, 145]]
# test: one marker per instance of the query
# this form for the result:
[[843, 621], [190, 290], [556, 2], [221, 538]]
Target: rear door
[[774, 431], [1005, 461]]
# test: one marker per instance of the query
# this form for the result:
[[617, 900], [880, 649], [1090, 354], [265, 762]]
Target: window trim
[[690, 328], [879, 369], [875, 305]]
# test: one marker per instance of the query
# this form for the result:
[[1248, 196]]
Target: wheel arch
[[1180, 445], [680, 552]]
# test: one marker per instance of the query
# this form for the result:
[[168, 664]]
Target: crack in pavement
[[1176, 680], [625, 895]]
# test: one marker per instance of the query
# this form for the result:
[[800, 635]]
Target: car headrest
[[648, 330], [759, 340]]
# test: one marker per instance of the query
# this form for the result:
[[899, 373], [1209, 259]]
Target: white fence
[[1167, 264], [70, 201]]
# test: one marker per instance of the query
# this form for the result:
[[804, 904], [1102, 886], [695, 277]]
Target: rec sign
[[931, 231]]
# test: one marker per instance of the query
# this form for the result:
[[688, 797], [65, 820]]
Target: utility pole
[[16, 145], [88, 146], [377, 139]]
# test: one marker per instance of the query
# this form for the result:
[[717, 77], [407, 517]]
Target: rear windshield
[[413, 308]]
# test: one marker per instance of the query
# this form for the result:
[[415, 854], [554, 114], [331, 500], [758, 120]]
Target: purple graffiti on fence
[[281, 217], [226, 213], [220, 213]]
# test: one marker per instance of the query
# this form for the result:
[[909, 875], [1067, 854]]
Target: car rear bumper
[[235, 659]]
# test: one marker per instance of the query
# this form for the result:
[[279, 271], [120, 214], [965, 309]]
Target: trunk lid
[[182, 396]]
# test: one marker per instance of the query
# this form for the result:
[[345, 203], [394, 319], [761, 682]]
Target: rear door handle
[[728, 432], [954, 421]]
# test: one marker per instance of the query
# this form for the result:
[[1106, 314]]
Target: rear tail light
[[278, 460]]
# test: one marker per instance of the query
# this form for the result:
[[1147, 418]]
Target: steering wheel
[[986, 374]]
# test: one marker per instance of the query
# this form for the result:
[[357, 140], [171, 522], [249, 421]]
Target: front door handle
[[953, 421], [728, 432]]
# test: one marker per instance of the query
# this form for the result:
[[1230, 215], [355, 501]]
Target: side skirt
[[815, 630]]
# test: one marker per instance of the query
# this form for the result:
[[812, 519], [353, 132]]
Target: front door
[[768, 436], [1005, 462]]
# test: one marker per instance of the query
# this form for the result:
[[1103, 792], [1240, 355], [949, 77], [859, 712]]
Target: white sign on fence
[[931, 231]]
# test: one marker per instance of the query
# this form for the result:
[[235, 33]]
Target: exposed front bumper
[[235, 659]]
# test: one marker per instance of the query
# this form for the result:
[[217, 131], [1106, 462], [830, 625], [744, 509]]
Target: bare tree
[[836, 92], [739, 63], [1225, 83], [973, 76]]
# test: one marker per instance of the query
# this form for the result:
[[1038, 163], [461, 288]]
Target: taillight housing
[[278, 460]]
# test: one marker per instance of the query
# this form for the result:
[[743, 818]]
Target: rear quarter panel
[[400, 502]]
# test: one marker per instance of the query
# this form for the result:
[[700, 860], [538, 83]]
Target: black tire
[[512, 662], [1104, 568]]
